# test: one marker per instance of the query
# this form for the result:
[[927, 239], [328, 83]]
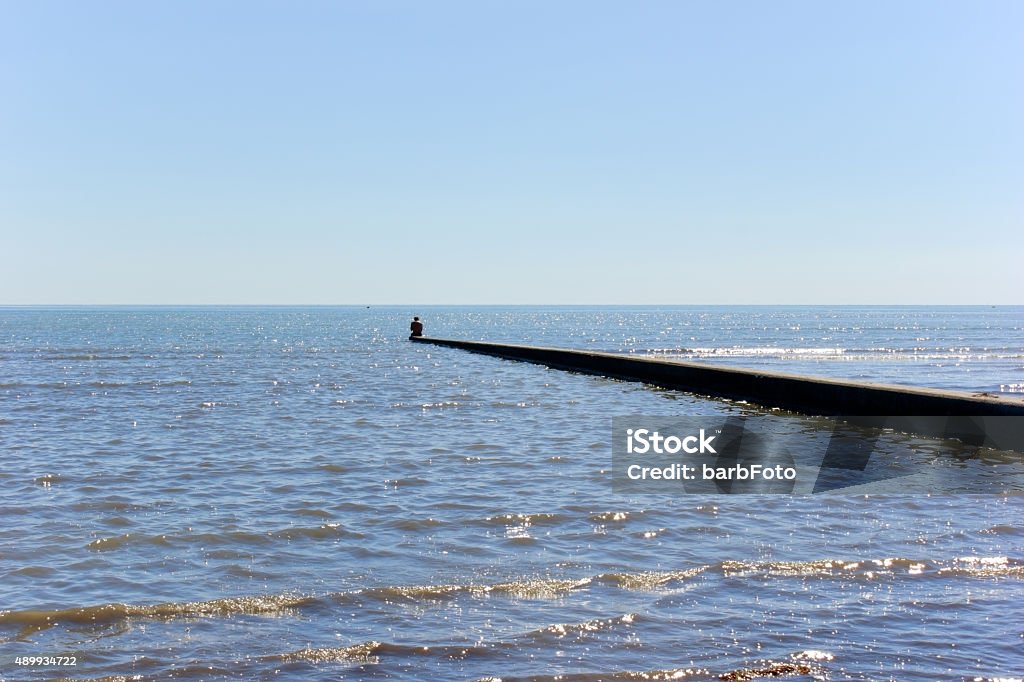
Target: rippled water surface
[[290, 493]]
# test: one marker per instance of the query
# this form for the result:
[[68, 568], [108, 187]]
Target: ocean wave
[[118, 541], [562, 630], [538, 519], [529, 588], [612, 676], [874, 568], [800, 663], [325, 531], [984, 567], [373, 651], [648, 580], [364, 652], [87, 356], [614, 516], [33, 620]]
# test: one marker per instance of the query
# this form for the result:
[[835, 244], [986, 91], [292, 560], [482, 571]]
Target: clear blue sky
[[511, 152]]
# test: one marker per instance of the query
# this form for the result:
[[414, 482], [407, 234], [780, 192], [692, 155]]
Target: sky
[[486, 152]]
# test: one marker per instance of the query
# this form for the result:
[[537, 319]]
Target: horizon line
[[489, 305]]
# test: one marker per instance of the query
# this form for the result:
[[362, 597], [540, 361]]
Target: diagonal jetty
[[798, 393]]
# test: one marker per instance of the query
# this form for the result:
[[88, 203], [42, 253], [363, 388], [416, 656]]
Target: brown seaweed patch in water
[[773, 669]]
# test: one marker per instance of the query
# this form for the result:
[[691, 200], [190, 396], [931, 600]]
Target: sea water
[[301, 493]]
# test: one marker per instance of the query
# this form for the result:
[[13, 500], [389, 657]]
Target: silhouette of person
[[416, 327]]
